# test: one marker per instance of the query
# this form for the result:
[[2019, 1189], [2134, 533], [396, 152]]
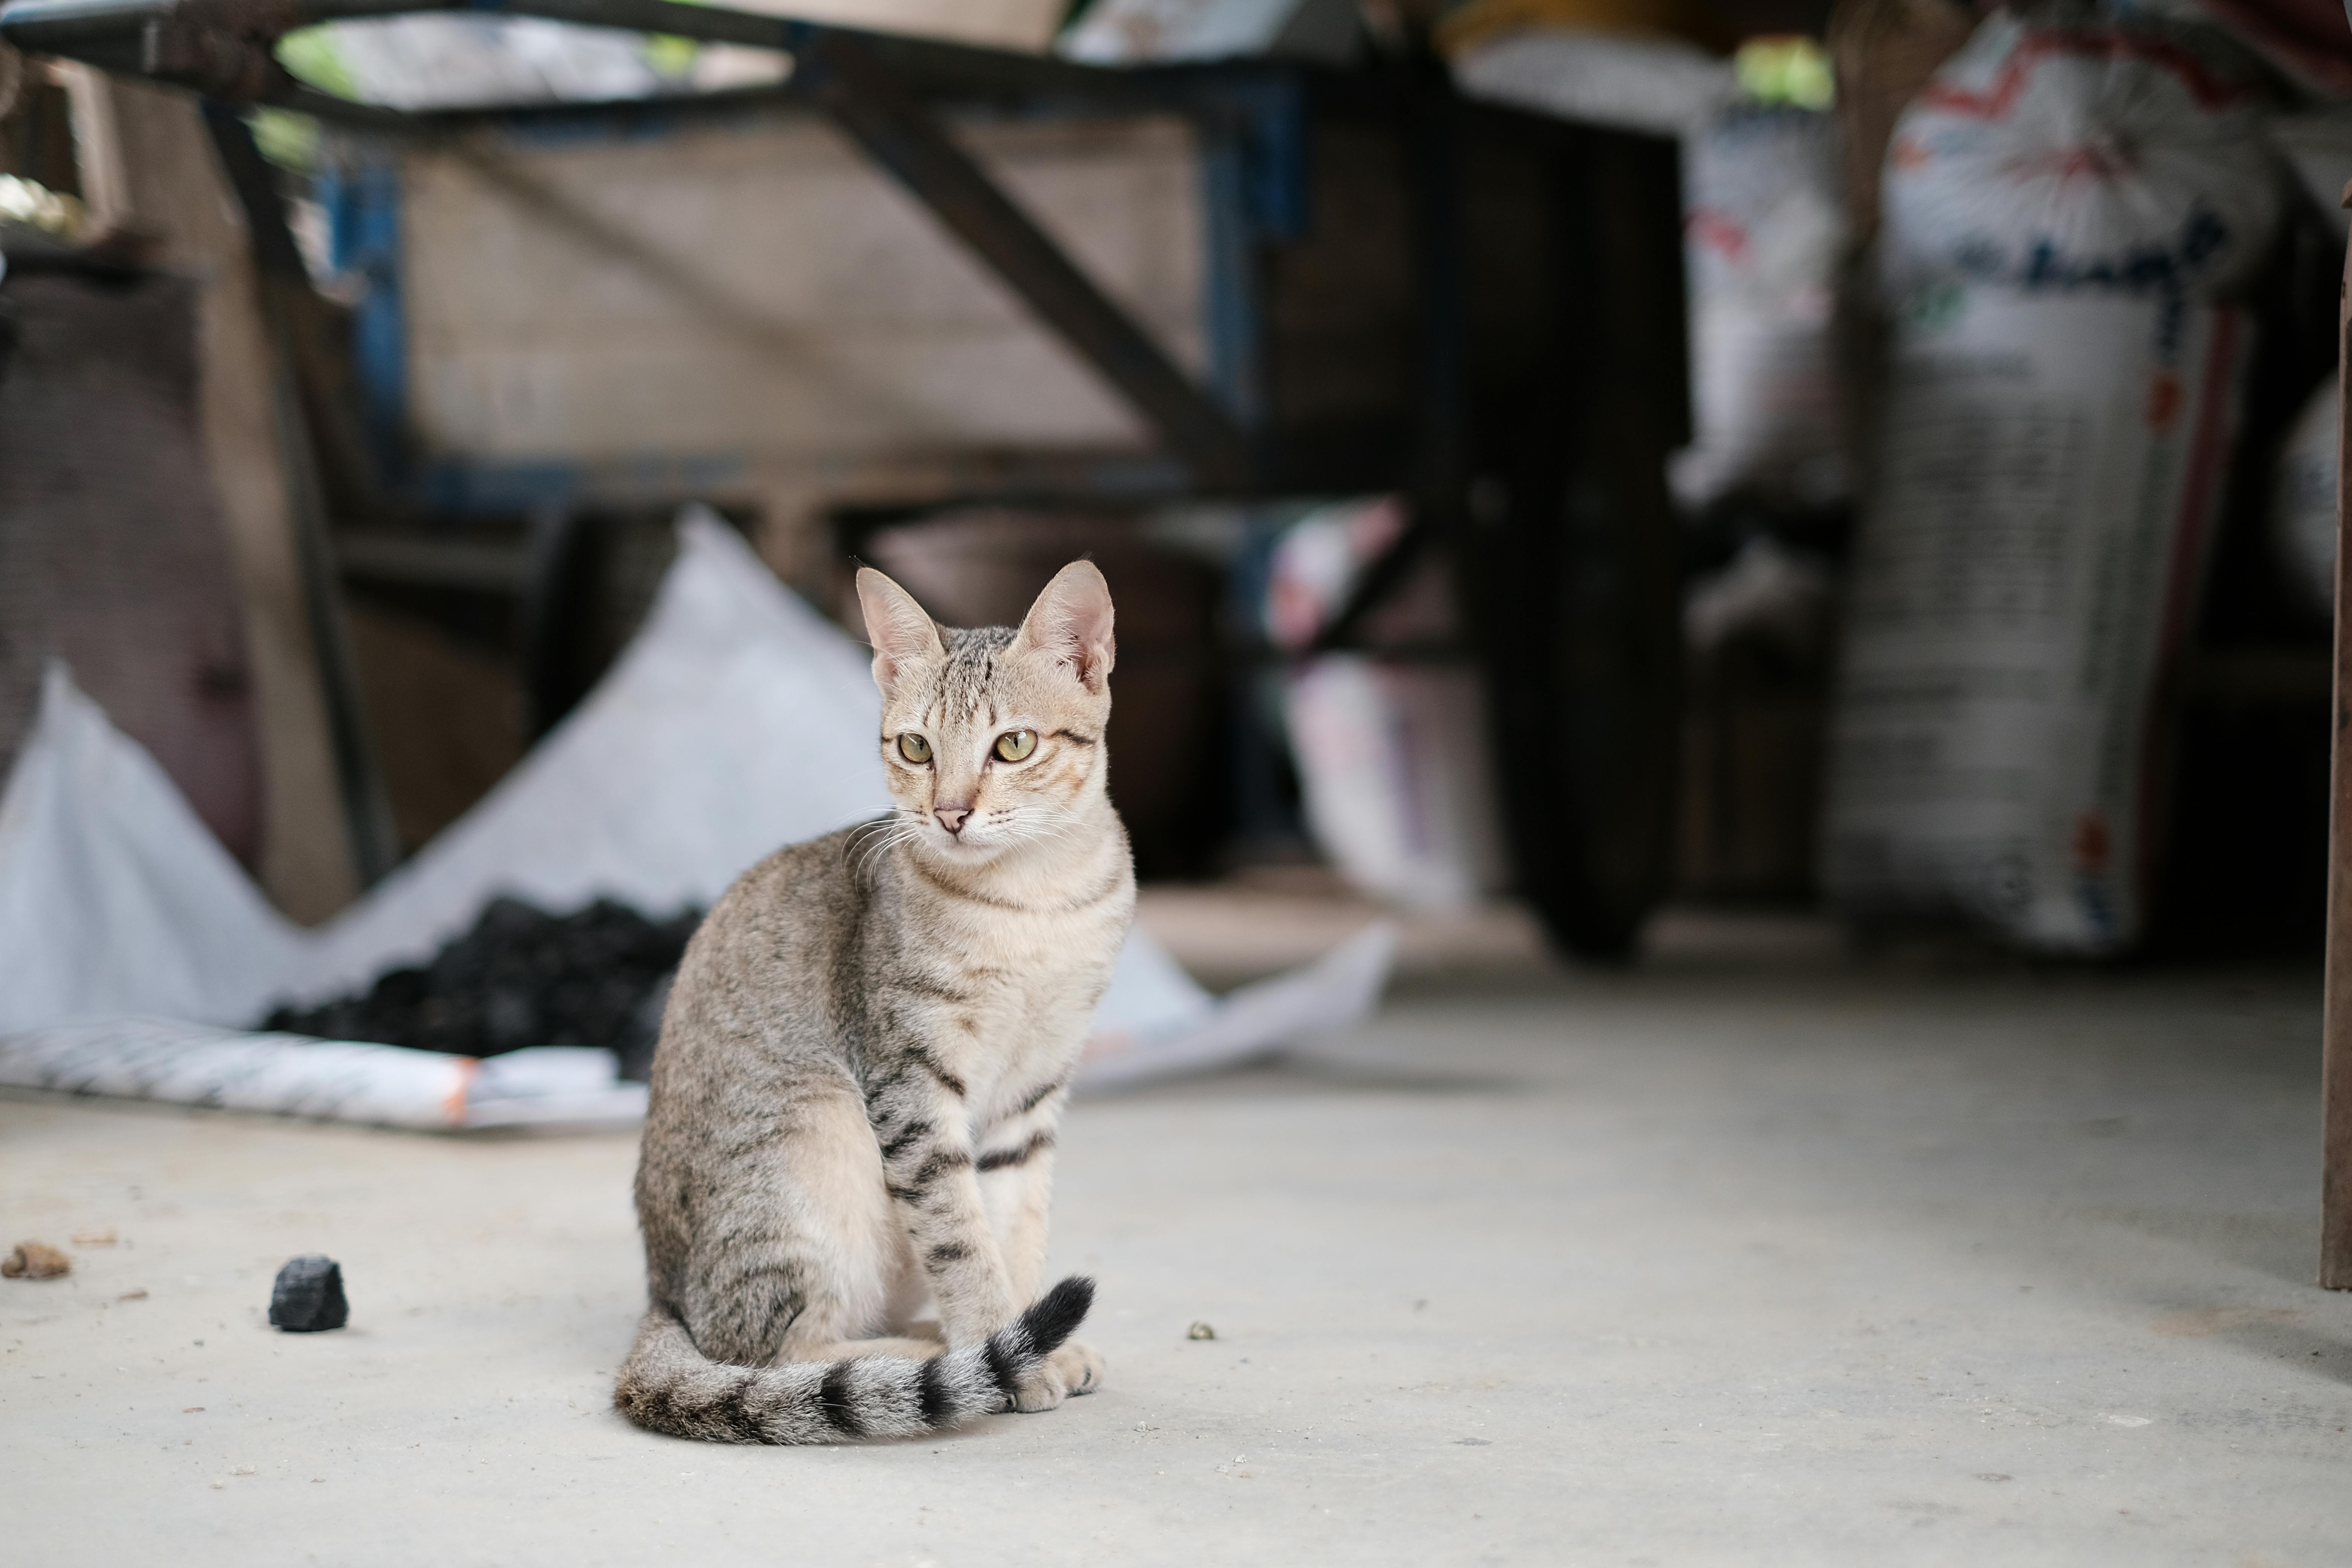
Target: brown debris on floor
[[35, 1260]]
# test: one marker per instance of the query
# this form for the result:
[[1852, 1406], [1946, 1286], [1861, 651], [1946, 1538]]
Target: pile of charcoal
[[597, 976]]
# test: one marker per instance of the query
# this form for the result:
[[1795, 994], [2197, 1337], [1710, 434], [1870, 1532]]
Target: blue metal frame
[[1256, 186], [363, 207]]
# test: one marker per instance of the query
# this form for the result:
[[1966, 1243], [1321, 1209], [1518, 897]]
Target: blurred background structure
[[1842, 488], [1483, 412]]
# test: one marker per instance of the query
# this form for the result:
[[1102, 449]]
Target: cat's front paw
[[1081, 1367], [1073, 1369], [1040, 1388]]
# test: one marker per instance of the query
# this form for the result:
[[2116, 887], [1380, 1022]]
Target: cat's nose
[[951, 817]]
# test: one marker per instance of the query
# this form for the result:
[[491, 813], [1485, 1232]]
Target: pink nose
[[951, 817]]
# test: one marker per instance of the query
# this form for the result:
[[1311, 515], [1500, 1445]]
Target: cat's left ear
[[1070, 624]]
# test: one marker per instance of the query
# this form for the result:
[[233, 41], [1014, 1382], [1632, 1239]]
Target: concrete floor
[[1749, 1258]]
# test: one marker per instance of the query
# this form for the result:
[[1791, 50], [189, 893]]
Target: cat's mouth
[[978, 842]]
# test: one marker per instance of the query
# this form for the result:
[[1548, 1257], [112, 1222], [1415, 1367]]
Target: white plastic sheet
[[737, 720], [445, 61], [1643, 82], [1139, 32]]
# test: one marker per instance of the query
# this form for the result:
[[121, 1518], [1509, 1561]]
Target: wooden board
[[759, 292], [2335, 1071]]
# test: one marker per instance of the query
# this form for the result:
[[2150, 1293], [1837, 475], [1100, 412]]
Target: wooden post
[[2335, 1068], [147, 165]]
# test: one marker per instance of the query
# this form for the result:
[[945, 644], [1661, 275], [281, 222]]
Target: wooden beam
[[874, 106], [2335, 1068]]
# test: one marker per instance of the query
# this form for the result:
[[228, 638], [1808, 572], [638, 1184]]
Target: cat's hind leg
[[800, 1252]]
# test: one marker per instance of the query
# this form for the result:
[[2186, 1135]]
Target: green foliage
[[1791, 70], [670, 55], [309, 53], [288, 139]]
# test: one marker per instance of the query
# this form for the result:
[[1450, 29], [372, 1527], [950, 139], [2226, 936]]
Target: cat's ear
[[902, 635], [1070, 623]]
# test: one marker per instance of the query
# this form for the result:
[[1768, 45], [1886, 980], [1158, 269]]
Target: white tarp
[[455, 61], [737, 720], [1642, 82], [1139, 32]]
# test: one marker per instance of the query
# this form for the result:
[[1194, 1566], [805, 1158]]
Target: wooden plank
[[147, 165], [761, 290], [2335, 1069]]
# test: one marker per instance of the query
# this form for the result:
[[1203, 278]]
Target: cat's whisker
[[899, 833], [878, 838]]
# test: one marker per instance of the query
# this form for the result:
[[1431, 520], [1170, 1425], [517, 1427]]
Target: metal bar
[[2336, 1062], [1436, 175], [74, 28], [412, 560], [1385, 573], [874, 107], [367, 806], [1232, 307], [1438, 501]]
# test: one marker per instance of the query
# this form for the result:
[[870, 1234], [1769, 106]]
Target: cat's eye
[[914, 748], [1014, 745]]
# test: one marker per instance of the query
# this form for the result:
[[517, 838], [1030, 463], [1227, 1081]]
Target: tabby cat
[[866, 1053]]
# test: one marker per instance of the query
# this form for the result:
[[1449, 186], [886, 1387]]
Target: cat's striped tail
[[667, 1385]]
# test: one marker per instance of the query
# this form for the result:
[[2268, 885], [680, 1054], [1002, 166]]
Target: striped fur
[[668, 1386], [864, 1058]]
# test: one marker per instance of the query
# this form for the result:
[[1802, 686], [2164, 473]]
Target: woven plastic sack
[[2025, 576], [2111, 158]]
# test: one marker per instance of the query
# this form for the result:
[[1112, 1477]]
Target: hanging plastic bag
[[1763, 227]]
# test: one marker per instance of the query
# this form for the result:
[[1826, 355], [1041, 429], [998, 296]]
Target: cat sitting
[[866, 1054]]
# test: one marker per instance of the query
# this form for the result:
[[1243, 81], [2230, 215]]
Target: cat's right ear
[[902, 635]]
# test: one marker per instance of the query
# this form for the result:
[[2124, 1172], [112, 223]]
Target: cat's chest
[[1015, 998]]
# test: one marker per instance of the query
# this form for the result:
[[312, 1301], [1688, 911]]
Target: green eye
[[914, 748], [1016, 744]]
